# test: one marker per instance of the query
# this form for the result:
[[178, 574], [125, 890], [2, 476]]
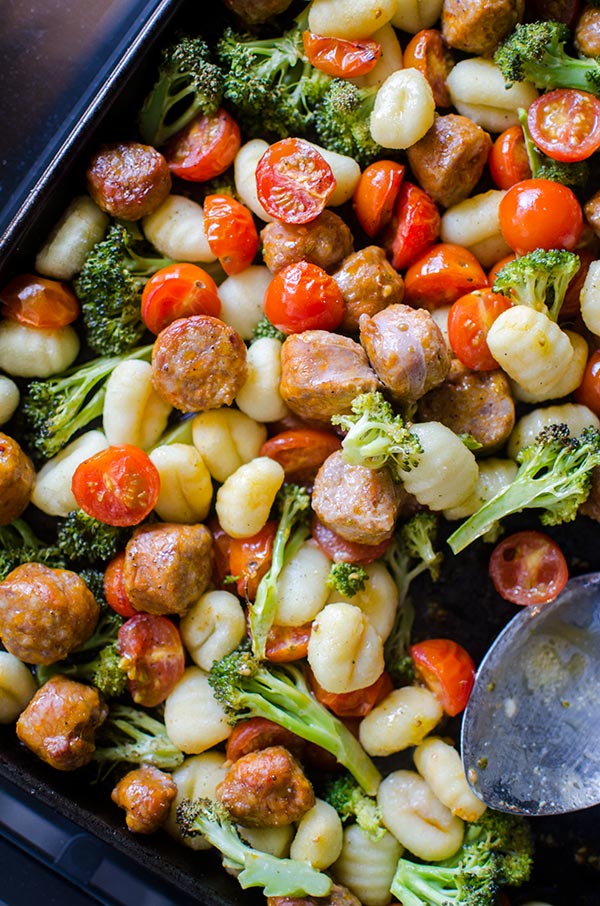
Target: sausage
[[478, 27], [146, 794], [358, 503], [587, 32], [167, 567], [17, 477], [45, 613], [479, 403], [266, 788], [198, 363], [60, 722], [406, 349], [591, 209], [591, 506], [337, 896], [450, 158], [368, 283], [128, 180], [324, 241], [254, 12], [322, 372]]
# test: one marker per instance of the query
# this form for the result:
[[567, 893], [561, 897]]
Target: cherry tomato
[[352, 704], [588, 392], [337, 548], [540, 213], [447, 669], [415, 225], [427, 53], [339, 58], [376, 193], [39, 302], [302, 296], [178, 291], [250, 559], [204, 148], [293, 181], [152, 656], [508, 162], [287, 643], [528, 568], [565, 124], [118, 486], [469, 321], [221, 551], [114, 587], [260, 733], [301, 451], [231, 232], [441, 275]]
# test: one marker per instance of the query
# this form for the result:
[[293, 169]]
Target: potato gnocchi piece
[[378, 600], [274, 840], [242, 296], [527, 428], [226, 439], [318, 837], [389, 61], [75, 234], [413, 15], [302, 589], [567, 383], [133, 412], [440, 765], [402, 719], [52, 492], [244, 500], [474, 224], [194, 719], [260, 398], [494, 475], [349, 19], [197, 778], [478, 90], [244, 174], [346, 173], [186, 488], [404, 109], [9, 398], [17, 687], [367, 866], [345, 652], [36, 352], [589, 298], [176, 230], [213, 627], [446, 472]]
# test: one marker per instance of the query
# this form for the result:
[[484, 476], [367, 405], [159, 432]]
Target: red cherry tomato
[[301, 451], [302, 296], [39, 302], [441, 275], [508, 161], [528, 568], [293, 181], [469, 321], [287, 643], [260, 733], [114, 587], [231, 232], [118, 486], [152, 656], [588, 392], [250, 559], [204, 148], [337, 548], [339, 58], [565, 124], [178, 291], [415, 225], [352, 704], [427, 53], [447, 669], [540, 213], [376, 193]]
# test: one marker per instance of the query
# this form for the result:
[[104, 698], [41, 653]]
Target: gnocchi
[[494, 475], [36, 352], [194, 719], [402, 719], [440, 765], [242, 297], [133, 411], [318, 837], [197, 778], [186, 489], [567, 382], [404, 109], [176, 230], [244, 172], [527, 428], [213, 627], [413, 15], [478, 90], [446, 472], [378, 600], [367, 866], [226, 439], [349, 19], [9, 398], [245, 498], [302, 586], [17, 687], [345, 652], [81, 226], [259, 397], [474, 224], [589, 298], [52, 492]]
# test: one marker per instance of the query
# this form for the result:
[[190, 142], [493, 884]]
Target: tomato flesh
[[588, 392], [508, 162], [205, 148], [414, 225], [441, 275], [340, 58], [293, 181], [528, 568], [118, 486], [540, 213], [152, 656], [376, 193], [178, 291], [250, 559], [286, 644], [352, 704], [427, 53], [565, 124], [114, 587], [39, 302], [301, 451], [302, 296], [447, 669], [469, 321]]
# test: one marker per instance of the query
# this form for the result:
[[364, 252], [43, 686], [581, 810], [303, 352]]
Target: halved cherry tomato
[[178, 291], [339, 58], [259, 733], [118, 486], [293, 181], [415, 225], [302, 296], [427, 53], [352, 704], [508, 161], [376, 193], [540, 213], [588, 392], [39, 302], [565, 124], [528, 568], [204, 148], [447, 669], [231, 232], [469, 321], [250, 559], [301, 451], [152, 656], [287, 643], [114, 587], [441, 275], [337, 548]]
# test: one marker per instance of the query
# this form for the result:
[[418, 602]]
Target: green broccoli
[[130, 736], [539, 279], [574, 174], [81, 537], [19, 544], [554, 476], [109, 288], [278, 876], [264, 328], [351, 802], [342, 121], [347, 578], [188, 85], [246, 687], [535, 52]]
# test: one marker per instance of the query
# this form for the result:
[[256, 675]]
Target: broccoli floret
[[351, 802], [342, 121], [539, 279], [81, 537], [543, 167], [130, 736], [553, 476], [19, 544], [264, 328], [247, 688], [109, 288], [278, 876], [376, 436], [416, 538], [535, 51], [347, 578], [188, 84], [293, 502], [55, 409]]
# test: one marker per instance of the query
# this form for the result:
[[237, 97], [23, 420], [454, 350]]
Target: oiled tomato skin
[[447, 669], [528, 568], [152, 656]]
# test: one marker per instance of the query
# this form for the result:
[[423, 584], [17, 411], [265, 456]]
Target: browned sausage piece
[[591, 209], [322, 372], [587, 32], [128, 180], [146, 794], [450, 158], [337, 896], [479, 403], [406, 349], [478, 27], [167, 566], [17, 477], [253, 12], [60, 722], [368, 283], [358, 503], [324, 241], [266, 788], [198, 363], [45, 613]]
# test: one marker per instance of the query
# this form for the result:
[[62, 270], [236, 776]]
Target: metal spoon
[[531, 730]]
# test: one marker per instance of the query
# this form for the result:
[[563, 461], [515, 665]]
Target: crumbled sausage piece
[[128, 180], [146, 794], [587, 32], [368, 283], [478, 27], [17, 477], [338, 896], [324, 241]]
